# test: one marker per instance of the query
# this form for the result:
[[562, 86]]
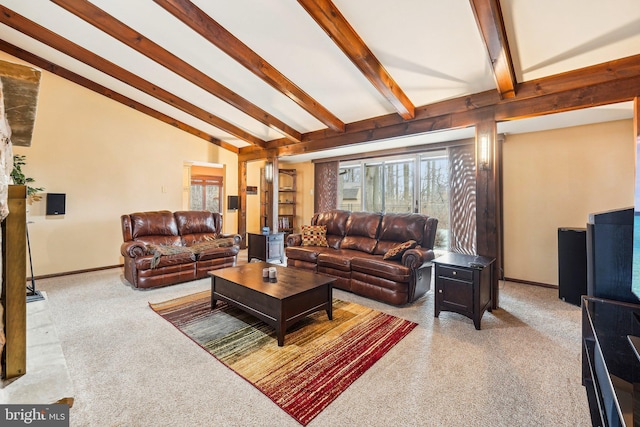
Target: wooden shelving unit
[[287, 200], [286, 197]]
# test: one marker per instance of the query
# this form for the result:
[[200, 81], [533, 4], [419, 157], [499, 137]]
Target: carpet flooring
[[319, 360], [130, 368]]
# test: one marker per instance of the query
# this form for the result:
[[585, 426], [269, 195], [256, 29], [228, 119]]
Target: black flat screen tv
[[610, 255]]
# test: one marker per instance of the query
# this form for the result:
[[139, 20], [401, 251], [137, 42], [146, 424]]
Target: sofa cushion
[[206, 244], [196, 226], [159, 251], [314, 235], [147, 262], [160, 223], [397, 251], [338, 259], [362, 229], [376, 266], [335, 221], [399, 227], [217, 252]]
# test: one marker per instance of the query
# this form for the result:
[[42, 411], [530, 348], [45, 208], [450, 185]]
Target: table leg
[[476, 322], [280, 332]]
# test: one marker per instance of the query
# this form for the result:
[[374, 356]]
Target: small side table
[[463, 285], [265, 247]]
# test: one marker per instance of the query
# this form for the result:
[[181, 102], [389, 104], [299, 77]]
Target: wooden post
[[273, 202], [488, 199], [14, 279], [242, 212]]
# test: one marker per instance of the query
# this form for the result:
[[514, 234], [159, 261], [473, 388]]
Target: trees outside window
[[206, 193]]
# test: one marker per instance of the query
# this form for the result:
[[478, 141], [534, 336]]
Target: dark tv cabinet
[[610, 366]]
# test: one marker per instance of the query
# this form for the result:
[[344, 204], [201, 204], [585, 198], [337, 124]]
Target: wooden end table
[[265, 247], [463, 285], [295, 295]]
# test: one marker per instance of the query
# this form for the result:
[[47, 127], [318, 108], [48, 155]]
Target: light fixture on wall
[[484, 160], [268, 171]]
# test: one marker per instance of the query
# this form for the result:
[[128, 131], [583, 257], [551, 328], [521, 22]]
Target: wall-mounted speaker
[[233, 203], [56, 203]]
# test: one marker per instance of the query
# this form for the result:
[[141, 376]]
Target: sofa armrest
[[294, 240], [417, 257], [237, 239], [133, 249]]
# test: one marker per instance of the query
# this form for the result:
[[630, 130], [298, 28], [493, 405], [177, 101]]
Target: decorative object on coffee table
[[319, 362]]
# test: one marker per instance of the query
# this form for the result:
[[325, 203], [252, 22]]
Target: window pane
[[373, 188], [349, 187], [213, 198], [434, 195], [196, 198], [398, 187]]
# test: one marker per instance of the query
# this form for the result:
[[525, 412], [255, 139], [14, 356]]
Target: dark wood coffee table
[[295, 294]]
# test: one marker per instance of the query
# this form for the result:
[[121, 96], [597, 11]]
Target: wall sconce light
[[268, 172], [484, 161]]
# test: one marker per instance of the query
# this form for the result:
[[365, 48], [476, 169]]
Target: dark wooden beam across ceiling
[[491, 24], [602, 84], [84, 82], [329, 18], [51, 39], [127, 35], [207, 27]]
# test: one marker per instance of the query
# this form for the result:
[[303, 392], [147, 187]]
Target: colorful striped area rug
[[320, 357]]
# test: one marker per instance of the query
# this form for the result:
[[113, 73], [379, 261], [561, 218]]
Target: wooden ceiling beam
[[127, 35], [607, 83], [51, 39], [491, 24], [207, 27], [95, 87], [329, 18], [605, 93]]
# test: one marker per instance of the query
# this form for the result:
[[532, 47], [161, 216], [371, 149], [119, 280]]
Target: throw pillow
[[397, 251], [314, 235]]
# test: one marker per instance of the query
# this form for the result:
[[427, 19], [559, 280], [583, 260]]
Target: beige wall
[[555, 179], [109, 160], [253, 201]]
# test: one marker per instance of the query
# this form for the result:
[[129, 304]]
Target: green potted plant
[[19, 178]]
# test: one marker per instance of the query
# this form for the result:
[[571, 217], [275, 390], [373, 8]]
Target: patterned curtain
[[325, 186], [462, 185]]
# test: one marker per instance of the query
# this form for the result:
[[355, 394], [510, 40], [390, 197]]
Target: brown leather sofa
[[357, 242], [147, 234]]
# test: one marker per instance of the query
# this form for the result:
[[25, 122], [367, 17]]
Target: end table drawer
[[455, 273], [275, 238]]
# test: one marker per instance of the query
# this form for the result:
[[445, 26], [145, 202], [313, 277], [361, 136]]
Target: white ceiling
[[432, 49]]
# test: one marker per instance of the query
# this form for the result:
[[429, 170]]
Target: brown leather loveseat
[[356, 246], [163, 248]]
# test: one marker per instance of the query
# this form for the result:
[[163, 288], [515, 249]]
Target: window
[[206, 193], [414, 183], [349, 188]]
